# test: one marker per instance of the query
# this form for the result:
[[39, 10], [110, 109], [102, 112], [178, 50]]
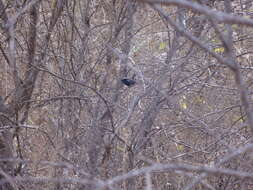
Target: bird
[[128, 82]]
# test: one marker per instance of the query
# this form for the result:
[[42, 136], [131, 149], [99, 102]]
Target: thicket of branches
[[68, 122]]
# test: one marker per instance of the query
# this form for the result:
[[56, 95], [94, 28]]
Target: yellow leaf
[[199, 100], [183, 103], [241, 119], [219, 50], [234, 26], [120, 149], [162, 46], [180, 147], [238, 118]]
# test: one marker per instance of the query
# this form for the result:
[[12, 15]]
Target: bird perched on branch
[[128, 82]]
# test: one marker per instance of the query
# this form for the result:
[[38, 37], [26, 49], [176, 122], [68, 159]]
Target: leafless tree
[[69, 122]]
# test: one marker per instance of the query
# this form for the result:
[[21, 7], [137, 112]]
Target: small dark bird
[[128, 82]]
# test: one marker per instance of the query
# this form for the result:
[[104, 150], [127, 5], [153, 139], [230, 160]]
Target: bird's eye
[[128, 82]]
